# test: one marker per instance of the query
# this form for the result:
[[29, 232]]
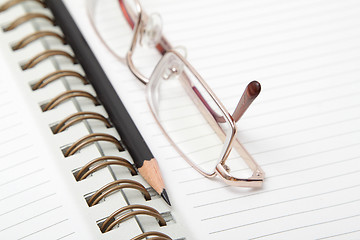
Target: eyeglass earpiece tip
[[253, 89]]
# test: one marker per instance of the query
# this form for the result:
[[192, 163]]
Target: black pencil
[[131, 137]]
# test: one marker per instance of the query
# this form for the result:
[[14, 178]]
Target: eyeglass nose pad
[[181, 50], [152, 30], [174, 69]]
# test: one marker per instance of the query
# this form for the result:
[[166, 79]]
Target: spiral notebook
[[65, 171], [303, 129]]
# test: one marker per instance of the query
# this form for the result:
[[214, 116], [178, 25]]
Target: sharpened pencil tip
[[165, 197]]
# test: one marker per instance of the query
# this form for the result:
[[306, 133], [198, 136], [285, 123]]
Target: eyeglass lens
[[191, 118]]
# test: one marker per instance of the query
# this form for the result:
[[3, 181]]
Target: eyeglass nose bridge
[[137, 33], [134, 70], [142, 31]]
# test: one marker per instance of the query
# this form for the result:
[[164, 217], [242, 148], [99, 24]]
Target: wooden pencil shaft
[[116, 110], [119, 116]]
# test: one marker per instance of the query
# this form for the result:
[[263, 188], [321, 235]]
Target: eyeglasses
[[186, 109]]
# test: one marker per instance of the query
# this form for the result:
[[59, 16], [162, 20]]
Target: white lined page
[[42, 199], [31, 206], [303, 129]]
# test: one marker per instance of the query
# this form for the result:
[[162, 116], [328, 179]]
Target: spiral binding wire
[[26, 18], [102, 162], [78, 117], [12, 3], [88, 169], [56, 101], [116, 186], [127, 212], [154, 235], [45, 55], [90, 138], [57, 75], [36, 36]]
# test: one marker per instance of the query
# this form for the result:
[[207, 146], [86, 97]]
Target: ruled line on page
[[306, 142], [45, 228], [338, 235], [11, 139], [282, 161], [284, 174], [20, 149], [277, 135], [116, 37], [308, 226], [182, 105], [325, 88], [24, 190], [236, 70], [338, 110], [274, 111], [277, 189], [27, 204], [7, 115], [21, 177], [31, 218], [314, 167], [226, 41], [282, 202], [303, 130], [306, 104], [229, 84], [229, 63], [19, 163], [209, 20], [333, 149], [5, 104], [288, 215], [16, 124], [312, 115], [322, 32], [67, 235], [178, 10], [295, 48], [318, 139], [333, 62], [275, 176]]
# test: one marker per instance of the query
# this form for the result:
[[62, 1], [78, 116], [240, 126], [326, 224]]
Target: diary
[[67, 174]]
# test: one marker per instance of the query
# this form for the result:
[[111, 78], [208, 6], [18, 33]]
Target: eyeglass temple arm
[[251, 92], [217, 117], [126, 14]]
